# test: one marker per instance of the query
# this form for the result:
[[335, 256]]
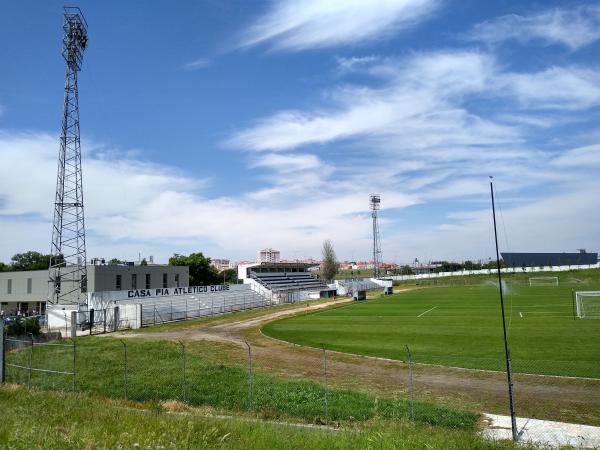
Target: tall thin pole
[[513, 417], [67, 271]]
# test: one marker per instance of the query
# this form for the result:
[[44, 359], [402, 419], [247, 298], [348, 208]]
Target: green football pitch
[[461, 326]]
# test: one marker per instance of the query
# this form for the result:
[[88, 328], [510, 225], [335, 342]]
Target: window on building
[[147, 281], [177, 280], [118, 282], [9, 286], [134, 281], [165, 280], [29, 285]]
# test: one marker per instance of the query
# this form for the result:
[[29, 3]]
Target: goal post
[[587, 304], [543, 281]]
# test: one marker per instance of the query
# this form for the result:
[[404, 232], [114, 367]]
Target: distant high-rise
[[268, 255]]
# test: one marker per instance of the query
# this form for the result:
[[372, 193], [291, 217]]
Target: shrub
[[20, 327]]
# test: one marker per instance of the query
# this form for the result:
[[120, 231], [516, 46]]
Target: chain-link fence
[[320, 385], [167, 371]]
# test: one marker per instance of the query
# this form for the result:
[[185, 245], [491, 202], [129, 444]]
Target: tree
[[406, 270], [330, 266], [470, 265], [4, 267], [201, 271], [144, 262], [115, 262], [229, 276], [32, 261]]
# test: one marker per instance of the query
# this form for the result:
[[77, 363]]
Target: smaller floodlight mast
[[67, 273], [374, 203]]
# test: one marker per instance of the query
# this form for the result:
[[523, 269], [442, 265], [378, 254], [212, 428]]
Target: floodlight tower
[[374, 203], [67, 272]]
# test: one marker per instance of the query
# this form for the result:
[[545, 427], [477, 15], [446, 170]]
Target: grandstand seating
[[288, 281], [361, 284], [166, 309]]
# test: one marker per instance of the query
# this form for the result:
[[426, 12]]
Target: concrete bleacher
[[289, 281], [181, 307], [349, 286]]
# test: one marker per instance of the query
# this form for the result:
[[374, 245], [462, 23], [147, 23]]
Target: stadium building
[[28, 291]]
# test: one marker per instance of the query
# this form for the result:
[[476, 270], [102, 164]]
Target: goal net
[[588, 304], [543, 281]]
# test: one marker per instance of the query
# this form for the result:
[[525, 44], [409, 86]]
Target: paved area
[[546, 433]]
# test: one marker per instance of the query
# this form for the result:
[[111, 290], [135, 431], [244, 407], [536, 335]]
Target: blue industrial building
[[549, 259]]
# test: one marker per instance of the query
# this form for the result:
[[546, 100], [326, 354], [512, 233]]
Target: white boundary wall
[[492, 271]]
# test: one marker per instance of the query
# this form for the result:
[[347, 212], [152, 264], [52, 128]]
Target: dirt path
[[231, 331], [555, 398]]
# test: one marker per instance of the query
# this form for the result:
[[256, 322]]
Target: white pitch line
[[520, 314], [422, 314]]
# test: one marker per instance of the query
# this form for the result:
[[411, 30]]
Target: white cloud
[[288, 163], [574, 27], [556, 222], [132, 206], [555, 88], [584, 158], [422, 102], [303, 24], [197, 64], [418, 102], [414, 129]]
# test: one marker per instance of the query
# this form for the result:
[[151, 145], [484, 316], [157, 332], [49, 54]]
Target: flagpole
[[513, 417]]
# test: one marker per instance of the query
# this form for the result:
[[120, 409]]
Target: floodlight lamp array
[[375, 202], [75, 39]]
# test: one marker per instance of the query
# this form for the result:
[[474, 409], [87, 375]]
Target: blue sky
[[225, 127]]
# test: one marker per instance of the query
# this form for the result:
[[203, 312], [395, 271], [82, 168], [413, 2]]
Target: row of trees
[[28, 261], [447, 266], [202, 272]]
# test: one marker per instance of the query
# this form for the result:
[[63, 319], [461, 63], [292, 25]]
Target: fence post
[[410, 384], [2, 354], [250, 377], [171, 310], [30, 361], [74, 362], [92, 319], [183, 379], [125, 387], [104, 320], [73, 324], [116, 318], [325, 379]]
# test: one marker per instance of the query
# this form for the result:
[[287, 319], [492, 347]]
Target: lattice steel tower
[[68, 274], [374, 203]]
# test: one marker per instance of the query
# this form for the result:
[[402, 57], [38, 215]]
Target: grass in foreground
[[155, 371], [460, 326], [33, 419]]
